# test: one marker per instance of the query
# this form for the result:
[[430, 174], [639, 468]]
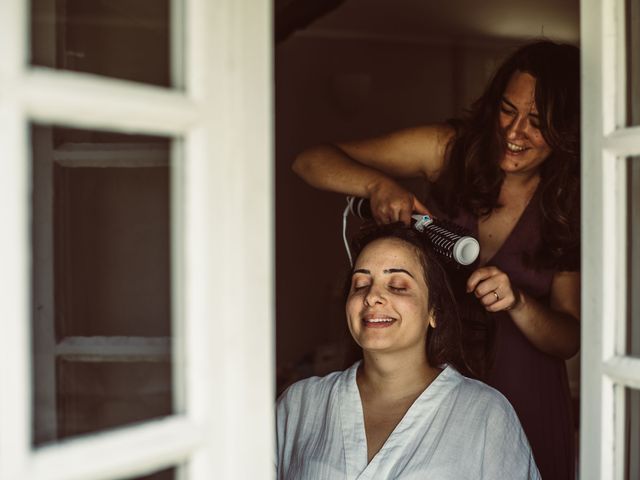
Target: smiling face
[[524, 146], [387, 307]]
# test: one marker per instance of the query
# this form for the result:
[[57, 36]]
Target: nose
[[517, 127], [374, 296]]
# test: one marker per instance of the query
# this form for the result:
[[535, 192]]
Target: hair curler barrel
[[448, 239]]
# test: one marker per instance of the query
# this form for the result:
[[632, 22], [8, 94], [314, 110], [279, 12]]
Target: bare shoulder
[[410, 152], [433, 139]]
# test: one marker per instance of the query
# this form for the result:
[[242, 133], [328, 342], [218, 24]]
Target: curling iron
[[448, 239]]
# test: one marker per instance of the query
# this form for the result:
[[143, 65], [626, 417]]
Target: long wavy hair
[[463, 336], [472, 177]]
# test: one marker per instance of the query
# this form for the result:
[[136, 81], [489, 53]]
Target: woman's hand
[[390, 202], [493, 288], [553, 329]]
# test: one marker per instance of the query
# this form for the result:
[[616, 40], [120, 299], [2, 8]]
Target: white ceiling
[[451, 19]]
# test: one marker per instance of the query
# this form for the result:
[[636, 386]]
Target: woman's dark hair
[[464, 331], [472, 178]]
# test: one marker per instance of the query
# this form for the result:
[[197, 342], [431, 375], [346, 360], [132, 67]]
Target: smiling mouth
[[381, 322], [513, 148]]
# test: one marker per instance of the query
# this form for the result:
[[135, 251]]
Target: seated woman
[[404, 411]]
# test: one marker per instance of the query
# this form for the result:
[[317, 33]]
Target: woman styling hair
[[509, 172]]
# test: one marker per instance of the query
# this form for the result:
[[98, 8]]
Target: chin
[[513, 165], [375, 346]]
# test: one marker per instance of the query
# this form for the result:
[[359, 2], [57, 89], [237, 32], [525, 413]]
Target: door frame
[[223, 275]]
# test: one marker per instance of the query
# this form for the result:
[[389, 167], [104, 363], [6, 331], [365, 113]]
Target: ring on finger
[[495, 293]]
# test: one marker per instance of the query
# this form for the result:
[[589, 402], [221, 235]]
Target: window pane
[[168, 474], [126, 39], [163, 475], [73, 136], [633, 254], [633, 62], [632, 434], [111, 250], [101, 280], [93, 396]]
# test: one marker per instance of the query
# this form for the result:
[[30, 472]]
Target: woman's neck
[[518, 189], [527, 181], [395, 374]]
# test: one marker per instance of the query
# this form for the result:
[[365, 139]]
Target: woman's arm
[[553, 329], [366, 168]]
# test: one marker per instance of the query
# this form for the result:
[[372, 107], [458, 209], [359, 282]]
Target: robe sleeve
[[507, 453], [282, 411]]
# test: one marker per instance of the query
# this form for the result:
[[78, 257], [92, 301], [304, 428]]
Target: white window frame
[[606, 145], [222, 236]]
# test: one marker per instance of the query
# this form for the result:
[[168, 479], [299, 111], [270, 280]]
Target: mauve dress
[[535, 383]]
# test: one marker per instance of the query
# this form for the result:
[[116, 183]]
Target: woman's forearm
[[554, 333], [365, 166], [327, 167]]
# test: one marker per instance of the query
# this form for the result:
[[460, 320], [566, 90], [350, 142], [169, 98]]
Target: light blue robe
[[456, 429]]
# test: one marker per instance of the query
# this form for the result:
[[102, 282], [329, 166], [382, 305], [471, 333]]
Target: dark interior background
[[351, 69]]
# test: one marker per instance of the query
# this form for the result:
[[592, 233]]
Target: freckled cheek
[[540, 141], [352, 324], [413, 306], [351, 309]]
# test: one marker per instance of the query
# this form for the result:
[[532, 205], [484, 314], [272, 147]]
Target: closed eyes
[[397, 289], [533, 118], [393, 288]]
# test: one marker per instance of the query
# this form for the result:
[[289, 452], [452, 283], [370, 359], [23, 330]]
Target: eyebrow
[[506, 100], [389, 270]]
